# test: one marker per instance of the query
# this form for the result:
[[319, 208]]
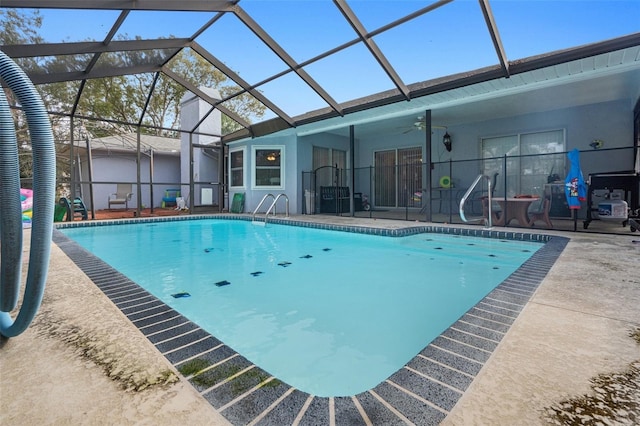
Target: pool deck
[[83, 362]]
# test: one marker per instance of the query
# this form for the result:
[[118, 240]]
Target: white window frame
[[244, 168], [255, 148]]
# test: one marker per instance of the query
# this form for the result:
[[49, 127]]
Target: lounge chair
[[122, 196]]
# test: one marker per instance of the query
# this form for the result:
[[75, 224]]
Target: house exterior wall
[[121, 167], [166, 175], [205, 164], [290, 185], [611, 122]]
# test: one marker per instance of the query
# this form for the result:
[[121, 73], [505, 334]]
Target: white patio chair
[[122, 196]]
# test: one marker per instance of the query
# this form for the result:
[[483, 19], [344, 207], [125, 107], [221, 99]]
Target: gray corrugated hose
[[44, 185]]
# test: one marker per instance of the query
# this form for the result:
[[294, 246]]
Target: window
[[268, 163], [532, 158], [236, 168]]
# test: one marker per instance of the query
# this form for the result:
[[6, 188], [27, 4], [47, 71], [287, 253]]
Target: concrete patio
[[83, 362]]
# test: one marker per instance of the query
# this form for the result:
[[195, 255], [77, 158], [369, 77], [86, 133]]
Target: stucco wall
[[121, 167], [611, 122], [290, 182]]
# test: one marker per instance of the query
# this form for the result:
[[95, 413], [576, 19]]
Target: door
[[398, 177]]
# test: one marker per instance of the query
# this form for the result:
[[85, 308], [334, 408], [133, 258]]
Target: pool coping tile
[[423, 391]]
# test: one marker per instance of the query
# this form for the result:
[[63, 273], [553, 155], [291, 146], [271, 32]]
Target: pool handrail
[[253, 216], [487, 220], [273, 206]]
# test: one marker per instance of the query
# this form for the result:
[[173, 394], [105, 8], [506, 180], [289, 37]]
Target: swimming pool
[[331, 313]]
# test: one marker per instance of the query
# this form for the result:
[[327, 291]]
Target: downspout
[[44, 187]]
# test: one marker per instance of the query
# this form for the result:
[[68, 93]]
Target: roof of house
[[128, 142]]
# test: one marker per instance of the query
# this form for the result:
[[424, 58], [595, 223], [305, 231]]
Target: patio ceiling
[[247, 45]]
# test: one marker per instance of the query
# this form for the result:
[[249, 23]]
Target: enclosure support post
[[151, 180], [352, 160], [90, 171], [191, 198], [426, 196], [72, 167], [138, 186]]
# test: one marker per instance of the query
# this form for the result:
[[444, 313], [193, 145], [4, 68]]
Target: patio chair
[[540, 210], [122, 196]]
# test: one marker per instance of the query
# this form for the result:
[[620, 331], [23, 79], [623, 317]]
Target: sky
[[451, 39]]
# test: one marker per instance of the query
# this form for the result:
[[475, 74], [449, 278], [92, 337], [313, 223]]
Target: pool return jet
[[44, 186], [487, 220]]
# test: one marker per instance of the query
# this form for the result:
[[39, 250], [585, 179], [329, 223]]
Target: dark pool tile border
[[423, 391]]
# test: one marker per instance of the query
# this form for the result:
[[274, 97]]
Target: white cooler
[[613, 210]]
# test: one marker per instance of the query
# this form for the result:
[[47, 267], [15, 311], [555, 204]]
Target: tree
[[22, 28], [122, 99], [164, 107], [115, 104]]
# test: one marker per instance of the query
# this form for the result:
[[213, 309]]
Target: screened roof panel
[[69, 25], [426, 48], [134, 58], [291, 23], [164, 88], [292, 58], [341, 74], [162, 24], [374, 16], [533, 28], [292, 94], [250, 108], [241, 50], [58, 97], [51, 64], [99, 94], [189, 65]]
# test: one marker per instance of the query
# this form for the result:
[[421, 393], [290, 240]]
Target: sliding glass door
[[398, 176]]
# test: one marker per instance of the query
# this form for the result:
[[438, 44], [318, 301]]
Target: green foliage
[[120, 103], [112, 105], [19, 27]]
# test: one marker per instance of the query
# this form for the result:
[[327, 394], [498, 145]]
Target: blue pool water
[[330, 313]]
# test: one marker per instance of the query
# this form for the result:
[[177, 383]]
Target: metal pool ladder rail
[[272, 206], [487, 220]]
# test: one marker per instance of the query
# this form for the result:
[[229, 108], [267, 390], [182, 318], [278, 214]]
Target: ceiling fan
[[421, 124]]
